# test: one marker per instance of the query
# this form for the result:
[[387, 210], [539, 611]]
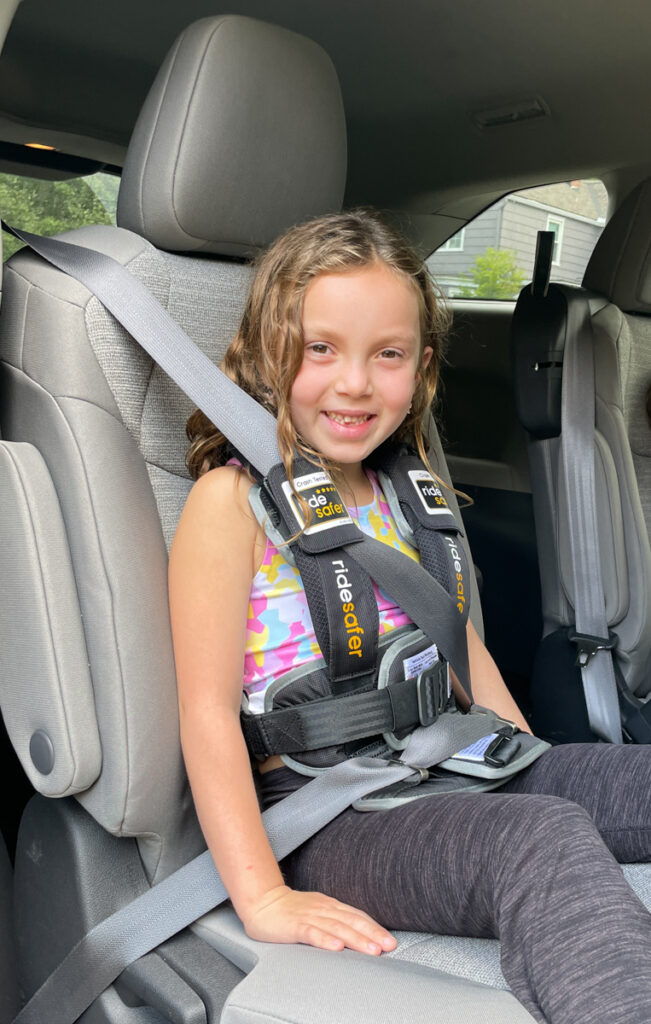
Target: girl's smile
[[362, 354]]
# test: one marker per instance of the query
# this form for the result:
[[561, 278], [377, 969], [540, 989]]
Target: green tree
[[47, 207], [494, 275]]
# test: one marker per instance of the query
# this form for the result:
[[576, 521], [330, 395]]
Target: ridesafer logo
[[354, 631], [429, 492], [460, 595], [326, 507]]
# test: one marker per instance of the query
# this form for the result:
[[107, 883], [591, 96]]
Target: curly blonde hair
[[267, 351]]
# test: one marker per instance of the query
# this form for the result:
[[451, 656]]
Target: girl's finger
[[368, 926], [358, 939]]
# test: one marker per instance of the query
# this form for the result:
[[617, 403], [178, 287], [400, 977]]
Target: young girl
[[341, 340]]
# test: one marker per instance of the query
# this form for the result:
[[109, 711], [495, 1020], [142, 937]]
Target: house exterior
[[575, 211]]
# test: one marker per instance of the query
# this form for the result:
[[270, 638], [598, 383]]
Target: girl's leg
[[613, 783], [529, 869]]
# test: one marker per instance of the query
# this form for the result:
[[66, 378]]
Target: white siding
[[520, 226]]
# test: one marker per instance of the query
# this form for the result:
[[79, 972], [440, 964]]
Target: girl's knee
[[543, 828]]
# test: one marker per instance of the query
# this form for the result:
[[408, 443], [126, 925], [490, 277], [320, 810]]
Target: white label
[[320, 493], [419, 662], [429, 492], [476, 750]]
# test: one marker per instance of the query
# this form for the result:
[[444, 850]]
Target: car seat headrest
[[620, 266], [242, 135]]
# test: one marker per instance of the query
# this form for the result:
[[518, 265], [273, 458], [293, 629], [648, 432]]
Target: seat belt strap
[[195, 889], [592, 636], [250, 428]]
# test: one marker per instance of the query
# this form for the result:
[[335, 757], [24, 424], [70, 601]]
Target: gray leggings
[[532, 863]]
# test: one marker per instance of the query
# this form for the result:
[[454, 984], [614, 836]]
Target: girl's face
[[362, 355]]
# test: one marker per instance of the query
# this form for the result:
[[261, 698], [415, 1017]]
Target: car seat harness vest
[[408, 728], [340, 704]]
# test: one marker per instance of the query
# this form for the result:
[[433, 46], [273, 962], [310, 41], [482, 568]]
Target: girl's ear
[[428, 352]]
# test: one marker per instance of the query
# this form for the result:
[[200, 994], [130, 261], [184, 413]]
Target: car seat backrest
[[87, 664], [620, 269]]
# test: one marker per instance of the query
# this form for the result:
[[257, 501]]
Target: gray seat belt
[[193, 890], [591, 635]]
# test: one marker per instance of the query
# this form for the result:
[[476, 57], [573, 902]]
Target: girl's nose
[[354, 380]]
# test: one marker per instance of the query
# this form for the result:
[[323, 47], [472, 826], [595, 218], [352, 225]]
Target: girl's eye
[[319, 348], [391, 353]]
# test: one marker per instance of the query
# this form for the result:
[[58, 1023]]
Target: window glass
[[493, 256], [48, 207]]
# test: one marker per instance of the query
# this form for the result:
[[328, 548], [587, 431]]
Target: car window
[[492, 257], [47, 207]]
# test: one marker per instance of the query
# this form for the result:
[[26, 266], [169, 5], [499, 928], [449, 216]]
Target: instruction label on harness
[[429, 492], [325, 504], [476, 750], [419, 662]]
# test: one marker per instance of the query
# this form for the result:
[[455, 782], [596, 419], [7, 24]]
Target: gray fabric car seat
[[618, 282], [9, 1003], [230, 148]]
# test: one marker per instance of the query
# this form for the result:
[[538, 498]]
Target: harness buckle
[[432, 692], [588, 645]]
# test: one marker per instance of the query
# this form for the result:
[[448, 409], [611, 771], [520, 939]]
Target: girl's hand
[[286, 915]]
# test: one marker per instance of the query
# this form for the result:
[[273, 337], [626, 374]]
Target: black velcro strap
[[336, 720]]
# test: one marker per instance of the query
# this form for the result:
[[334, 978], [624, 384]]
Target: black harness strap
[[435, 530], [339, 592], [345, 615]]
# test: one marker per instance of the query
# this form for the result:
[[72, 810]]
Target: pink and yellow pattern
[[280, 635]]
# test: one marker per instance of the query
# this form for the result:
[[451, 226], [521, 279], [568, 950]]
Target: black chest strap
[[335, 720]]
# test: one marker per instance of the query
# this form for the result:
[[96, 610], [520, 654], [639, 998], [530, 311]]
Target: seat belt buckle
[[588, 645], [433, 692], [423, 773]]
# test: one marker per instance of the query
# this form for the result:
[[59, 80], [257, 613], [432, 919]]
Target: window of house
[[454, 244], [493, 256], [555, 224], [47, 207]]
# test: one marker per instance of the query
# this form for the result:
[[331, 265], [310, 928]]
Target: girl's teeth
[[347, 419]]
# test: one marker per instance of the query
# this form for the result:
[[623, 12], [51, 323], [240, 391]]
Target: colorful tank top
[[280, 635]]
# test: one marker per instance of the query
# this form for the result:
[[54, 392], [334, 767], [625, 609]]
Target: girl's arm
[[212, 563], [488, 688]]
